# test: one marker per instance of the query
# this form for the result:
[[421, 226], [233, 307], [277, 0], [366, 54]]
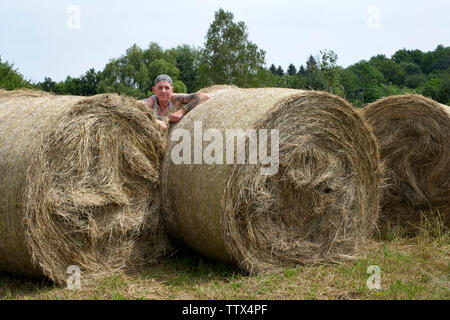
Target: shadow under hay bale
[[80, 184], [413, 134], [319, 206]]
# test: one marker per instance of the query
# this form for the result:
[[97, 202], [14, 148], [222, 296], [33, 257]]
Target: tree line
[[229, 57]]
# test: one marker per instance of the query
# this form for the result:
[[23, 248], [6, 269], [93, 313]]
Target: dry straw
[[413, 134], [79, 184], [319, 207]]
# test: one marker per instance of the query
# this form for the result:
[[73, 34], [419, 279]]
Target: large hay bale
[[79, 184], [413, 134], [320, 205], [211, 91]]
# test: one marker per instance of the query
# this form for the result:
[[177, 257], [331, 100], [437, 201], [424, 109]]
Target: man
[[164, 101]]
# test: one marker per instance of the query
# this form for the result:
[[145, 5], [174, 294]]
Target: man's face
[[163, 91]]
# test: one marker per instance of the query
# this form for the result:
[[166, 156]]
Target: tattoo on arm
[[193, 103], [185, 98], [191, 100]]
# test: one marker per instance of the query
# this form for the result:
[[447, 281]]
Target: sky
[[60, 38]]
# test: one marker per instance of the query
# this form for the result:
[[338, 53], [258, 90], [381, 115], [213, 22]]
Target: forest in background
[[229, 57]]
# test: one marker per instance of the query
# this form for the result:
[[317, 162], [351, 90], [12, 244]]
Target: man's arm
[[190, 100]]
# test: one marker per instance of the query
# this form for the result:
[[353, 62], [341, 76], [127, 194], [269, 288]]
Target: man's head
[[163, 88]]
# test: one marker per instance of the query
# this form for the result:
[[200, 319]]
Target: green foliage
[[10, 78], [280, 71], [415, 80], [293, 82], [187, 61], [315, 80], [273, 69], [180, 87], [86, 85], [331, 72], [361, 82], [444, 91], [48, 85], [431, 88], [133, 73], [301, 71], [411, 56], [439, 59], [392, 71], [438, 88], [410, 68], [264, 78], [292, 70], [311, 64], [162, 66], [228, 56]]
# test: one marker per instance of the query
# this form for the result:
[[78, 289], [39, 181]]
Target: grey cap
[[163, 77]]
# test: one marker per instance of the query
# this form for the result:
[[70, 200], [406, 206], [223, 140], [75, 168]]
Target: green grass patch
[[410, 268]]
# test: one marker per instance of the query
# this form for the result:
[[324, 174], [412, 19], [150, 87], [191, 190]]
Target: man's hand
[[163, 125], [176, 116]]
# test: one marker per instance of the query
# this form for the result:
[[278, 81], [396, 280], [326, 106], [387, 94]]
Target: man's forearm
[[191, 100], [189, 106]]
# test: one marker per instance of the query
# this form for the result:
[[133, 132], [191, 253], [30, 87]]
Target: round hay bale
[[413, 134], [318, 207], [217, 87], [80, 184]]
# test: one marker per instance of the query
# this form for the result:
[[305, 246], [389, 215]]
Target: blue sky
[[57, 38]]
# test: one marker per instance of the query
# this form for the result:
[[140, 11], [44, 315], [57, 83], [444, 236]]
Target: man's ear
[[173, 89], [153, 88]]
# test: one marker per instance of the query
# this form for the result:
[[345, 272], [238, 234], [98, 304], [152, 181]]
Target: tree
[[351, 84], [48, 85], [133, 73], [431, 88], [412, 56], [228, 56], [187, 61], [89, 82], [362, 82], [72, 86], [280, 71], [311, 64], [444, 90], [328, 59], [330, 71], [292, 70], [415, 80], [301, 70], [392, 71], [287, 81], [10, 78], [411, 68], [179, 87], [264, 78], [315, 80], [273, 69]]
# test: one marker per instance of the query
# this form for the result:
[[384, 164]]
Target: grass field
[[410, 268]]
